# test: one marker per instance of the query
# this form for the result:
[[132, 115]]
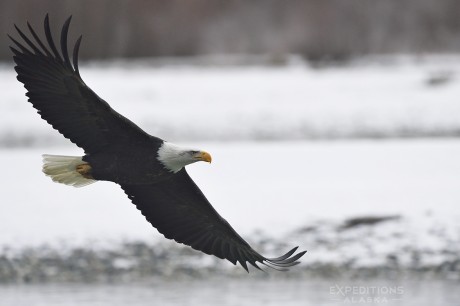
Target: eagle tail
[[68, 170]]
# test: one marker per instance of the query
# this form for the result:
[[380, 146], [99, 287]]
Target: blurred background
[[334, 125], [329, 29]]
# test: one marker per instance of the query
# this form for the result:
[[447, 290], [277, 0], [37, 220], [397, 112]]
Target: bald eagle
[[149, 170]]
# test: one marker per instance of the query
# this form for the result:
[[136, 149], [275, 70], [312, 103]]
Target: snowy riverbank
[[362, 248], [384, 97], [296, 161], [315, 200]]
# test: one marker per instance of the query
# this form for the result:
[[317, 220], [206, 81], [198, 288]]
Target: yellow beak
[[204, 156]]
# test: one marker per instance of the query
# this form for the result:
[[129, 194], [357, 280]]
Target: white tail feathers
[[62, 169]]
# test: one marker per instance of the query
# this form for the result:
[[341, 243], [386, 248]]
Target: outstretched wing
[[56, 90], [180, 211]]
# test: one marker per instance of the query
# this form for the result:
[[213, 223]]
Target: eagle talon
[[84, 170]]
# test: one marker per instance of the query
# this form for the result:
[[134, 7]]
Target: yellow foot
[[84, 170]]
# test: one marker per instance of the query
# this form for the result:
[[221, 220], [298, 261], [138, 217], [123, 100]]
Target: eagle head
[[174, 157]]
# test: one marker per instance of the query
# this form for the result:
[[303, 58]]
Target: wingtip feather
[[49, 38], [285, 261], [76, 50], [64, 49]]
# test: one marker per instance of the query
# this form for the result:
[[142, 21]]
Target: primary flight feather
[[150, 170]]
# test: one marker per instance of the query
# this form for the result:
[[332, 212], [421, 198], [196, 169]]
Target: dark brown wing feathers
[[56, 90], [180, 211]]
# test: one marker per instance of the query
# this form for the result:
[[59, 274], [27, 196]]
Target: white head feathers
[[174, 157]]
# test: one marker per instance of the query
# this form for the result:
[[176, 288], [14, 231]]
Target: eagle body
[[151, 171], [136, 165]]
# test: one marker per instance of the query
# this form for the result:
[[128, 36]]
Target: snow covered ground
[[293, 184], [276, 194], [381, 98], [274, 187]]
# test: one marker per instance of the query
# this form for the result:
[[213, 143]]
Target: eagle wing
[[180, 211], [57, 91]]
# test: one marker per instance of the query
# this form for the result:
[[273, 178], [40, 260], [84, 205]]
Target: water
[[237, 292]]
